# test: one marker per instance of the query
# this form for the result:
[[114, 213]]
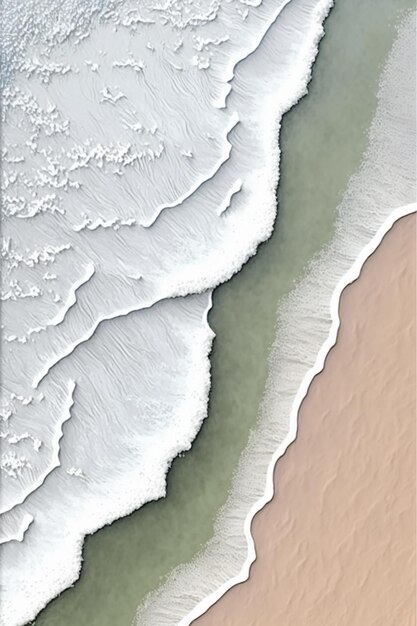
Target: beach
[[141, 219], [132, 557], [336, 545]]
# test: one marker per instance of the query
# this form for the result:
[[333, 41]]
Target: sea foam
[[140, 162]]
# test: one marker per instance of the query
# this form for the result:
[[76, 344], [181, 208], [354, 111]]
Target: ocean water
[[140, 160], [126, 560]]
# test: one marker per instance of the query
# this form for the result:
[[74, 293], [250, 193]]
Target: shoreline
[[135, 575], [329, 344], [306, 327], [288, 521]]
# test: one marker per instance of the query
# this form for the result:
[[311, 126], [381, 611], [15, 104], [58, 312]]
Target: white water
[[140, 162], [383, 190]]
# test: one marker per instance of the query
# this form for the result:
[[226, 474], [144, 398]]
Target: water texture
[[125, 560], [140, 162]]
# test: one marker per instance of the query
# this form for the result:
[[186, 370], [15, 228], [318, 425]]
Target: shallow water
[[126, 560]]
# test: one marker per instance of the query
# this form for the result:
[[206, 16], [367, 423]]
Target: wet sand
[[337, 544]]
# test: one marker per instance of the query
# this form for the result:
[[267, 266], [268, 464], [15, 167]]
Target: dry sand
[[336, 545]]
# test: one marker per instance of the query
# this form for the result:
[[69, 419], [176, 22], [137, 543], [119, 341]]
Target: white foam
[[202, 179], [377, 196], [133, 411], [72, 299], [8, 504], [16, 534]]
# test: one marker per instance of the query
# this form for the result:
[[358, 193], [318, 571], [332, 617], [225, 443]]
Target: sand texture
[[336, 545]]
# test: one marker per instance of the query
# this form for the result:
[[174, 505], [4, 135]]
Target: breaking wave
[[140, 161]]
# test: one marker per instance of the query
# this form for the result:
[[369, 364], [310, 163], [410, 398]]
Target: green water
[[323, 139]]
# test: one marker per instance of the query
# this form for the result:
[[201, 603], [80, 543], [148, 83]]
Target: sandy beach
[[336, 545]]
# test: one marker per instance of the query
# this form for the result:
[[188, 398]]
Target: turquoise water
[[322, 141]]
